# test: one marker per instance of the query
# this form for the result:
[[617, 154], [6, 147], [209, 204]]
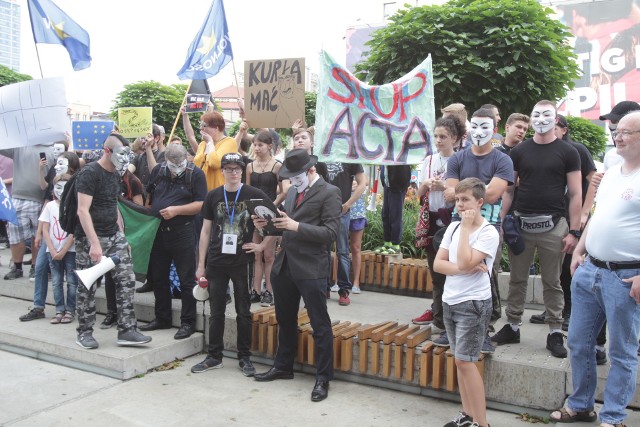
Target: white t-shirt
[[471, 286], [611, 158], [56, 233], [435, 166], [614, 229]]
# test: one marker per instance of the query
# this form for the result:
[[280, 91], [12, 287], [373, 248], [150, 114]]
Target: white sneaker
[[355, 290], [335, 288]]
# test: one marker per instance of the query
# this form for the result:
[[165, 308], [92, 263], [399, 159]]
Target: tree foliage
[[164, 99], [511, 53], [590, 135], [8, 76]]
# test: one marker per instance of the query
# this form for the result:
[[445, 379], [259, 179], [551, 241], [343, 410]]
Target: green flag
[[140, 227]]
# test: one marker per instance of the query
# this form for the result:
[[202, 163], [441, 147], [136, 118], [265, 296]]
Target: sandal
[[57, 319], [67, 318], [566, 417]]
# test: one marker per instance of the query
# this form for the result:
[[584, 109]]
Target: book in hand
[[265, 209]]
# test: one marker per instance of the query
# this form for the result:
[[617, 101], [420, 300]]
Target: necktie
[[299, 199]]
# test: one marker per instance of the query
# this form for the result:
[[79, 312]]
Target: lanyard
[[226, 203]]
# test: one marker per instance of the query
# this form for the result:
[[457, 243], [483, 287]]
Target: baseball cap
[[619, 110], [230, 158]]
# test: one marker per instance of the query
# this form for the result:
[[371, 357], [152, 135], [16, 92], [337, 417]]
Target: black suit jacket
[[306, 250]]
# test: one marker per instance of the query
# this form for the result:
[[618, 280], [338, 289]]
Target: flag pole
[[39, 63], [233, 64], [175, 123], [35, 43]]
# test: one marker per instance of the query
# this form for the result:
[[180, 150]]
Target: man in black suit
[[310, 225]]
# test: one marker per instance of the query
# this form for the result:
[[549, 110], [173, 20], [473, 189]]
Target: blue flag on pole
[[211, 50], [90, 135], [7, 210], [51, 25]]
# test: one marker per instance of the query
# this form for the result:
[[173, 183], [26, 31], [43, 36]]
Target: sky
[[134, 40]]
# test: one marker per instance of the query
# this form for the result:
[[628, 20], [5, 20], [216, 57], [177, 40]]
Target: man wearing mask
[[176, 191]]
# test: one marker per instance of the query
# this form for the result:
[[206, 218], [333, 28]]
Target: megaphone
[[89, 275], [201, 292]]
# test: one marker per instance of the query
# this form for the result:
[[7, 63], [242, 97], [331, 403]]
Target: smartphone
[[43, 156]]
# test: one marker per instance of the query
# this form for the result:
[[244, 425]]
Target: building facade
[[10, 34]]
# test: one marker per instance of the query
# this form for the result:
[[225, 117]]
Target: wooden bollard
[[346, 346], [385, 274], [413, 276], [263, 319], [311, 345], [404, 276], [378, 273], [371, 265], [395, 275], [426, 364], [364, 334], [429, 281], [272, 335], [438, 367], [399, 341], [303, 336], [255, 323], [336, 342], [376, 339], [422, 278], [303, 317], [387, 343], [451, 383]]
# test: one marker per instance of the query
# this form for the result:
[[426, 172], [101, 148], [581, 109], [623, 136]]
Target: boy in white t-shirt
[[61, 254], [466, 256]]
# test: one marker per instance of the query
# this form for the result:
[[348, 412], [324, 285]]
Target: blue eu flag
[[90, 135], [7, 210], [211, 50], [51, 25]]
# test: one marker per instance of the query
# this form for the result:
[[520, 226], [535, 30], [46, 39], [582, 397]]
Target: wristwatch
[[575, 233]]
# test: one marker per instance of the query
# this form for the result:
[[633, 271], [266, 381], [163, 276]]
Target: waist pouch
[[537, 223]]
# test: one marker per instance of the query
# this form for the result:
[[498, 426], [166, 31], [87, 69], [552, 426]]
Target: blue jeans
[[466, 324], [41, 278], [591, 287], [342, 249], [58, 268]]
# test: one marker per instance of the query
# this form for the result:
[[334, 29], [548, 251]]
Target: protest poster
[[196, 102], [90, 135], [135, 121], [274, 92], [389, 124], [33, 112]]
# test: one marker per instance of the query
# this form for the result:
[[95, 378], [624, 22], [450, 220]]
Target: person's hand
[[450, 195], [253, 248], [345, 208], [467, 217], [576, 261], [244, 126], [299, 123], [169, 212], [437, 184], [258, 222], [37, 240], [285, 223], [43, 163], [95, 253], [58, 256], [570, 241], [241, 107], [635, 287], [584, 217], [183, 110], [206, 137], [596, 179], [200, 271], [480, 268]]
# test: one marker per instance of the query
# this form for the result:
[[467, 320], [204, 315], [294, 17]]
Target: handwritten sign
[[135, 121], [274, 92], [196, 102], [33, 112], [90, 135], [390, 124]]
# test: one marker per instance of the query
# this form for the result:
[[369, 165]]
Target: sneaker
[[601, 357], [424, 319], [86, 340], [14, 273], [147, 287], [461, 420], [132, 337], [344, 298], [356, 290], [335, 288], [109, 320], [228, 299], [267, 299], [538, 319], [442, 340], [391, 250], [487, 347], [555, 344], [247, 367], [380, 249], [33, 314], [206, 364], [254, 297], [506, 335], [32, 274]]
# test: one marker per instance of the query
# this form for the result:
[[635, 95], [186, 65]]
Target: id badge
[[229, 243]]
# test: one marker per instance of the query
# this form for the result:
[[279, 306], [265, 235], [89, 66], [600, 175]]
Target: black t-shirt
[[542, 169], [142, 165], [104, 186], [586, 166], [166, 191], [215, 210], [341, 175], [48, 192]]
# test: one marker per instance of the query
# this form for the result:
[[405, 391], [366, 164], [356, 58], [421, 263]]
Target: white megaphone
[[89, 275], [201, 290]]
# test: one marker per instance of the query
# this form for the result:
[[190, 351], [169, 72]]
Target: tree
[[510, 53], [590, 135], [165, 100], [8, 76]]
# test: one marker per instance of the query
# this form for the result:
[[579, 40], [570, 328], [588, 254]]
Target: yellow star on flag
[[207, 43]]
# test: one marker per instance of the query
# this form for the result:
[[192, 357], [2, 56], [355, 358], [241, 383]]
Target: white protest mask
[[62, 165], [300, 182], [543, 118], [175, 169], [120, 158], [58, 188], [57, 150], [481, 130]]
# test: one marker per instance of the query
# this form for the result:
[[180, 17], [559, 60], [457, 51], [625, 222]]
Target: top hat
[[296, 162]]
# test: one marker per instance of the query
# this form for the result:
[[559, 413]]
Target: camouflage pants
[[123, 278]]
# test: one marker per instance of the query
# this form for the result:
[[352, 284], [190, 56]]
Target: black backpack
[[68, 215]]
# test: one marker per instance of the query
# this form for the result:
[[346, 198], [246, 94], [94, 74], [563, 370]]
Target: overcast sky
[[133, 40]]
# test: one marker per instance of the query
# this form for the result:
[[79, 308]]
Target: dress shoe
[[154, 325], [320, 391], [147, 287], [274, 374], [185, 331]]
